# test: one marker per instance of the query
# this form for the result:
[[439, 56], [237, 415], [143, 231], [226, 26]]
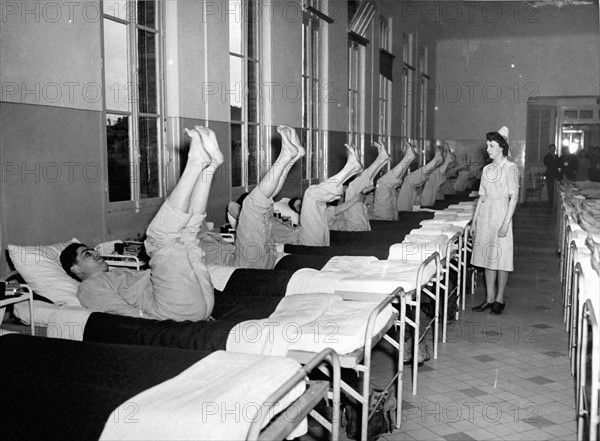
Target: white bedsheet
[[418, 247], [366, 275], [591, 284], [220, 274], [447, 230], [215, 399], [66, 322], [385, 276], [308, 322]]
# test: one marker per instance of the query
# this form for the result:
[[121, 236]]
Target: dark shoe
[[482, 307], [423, 357], [497, 308]]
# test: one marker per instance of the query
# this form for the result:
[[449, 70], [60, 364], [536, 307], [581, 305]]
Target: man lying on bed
[[178, 285], [258, 231]]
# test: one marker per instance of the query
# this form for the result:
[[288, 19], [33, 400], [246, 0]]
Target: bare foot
[[353, 160], [410, 154], [440, 155], [288, 149], [381, 151], [209, 139], [295, 140], [197, 154]]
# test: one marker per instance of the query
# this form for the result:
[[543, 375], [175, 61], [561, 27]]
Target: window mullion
[[132, 88]]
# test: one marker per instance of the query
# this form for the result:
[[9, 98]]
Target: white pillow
[[40, 266]]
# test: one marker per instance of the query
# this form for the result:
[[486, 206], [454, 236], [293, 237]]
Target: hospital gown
[[177, 286], [356, 218], [258, 232]]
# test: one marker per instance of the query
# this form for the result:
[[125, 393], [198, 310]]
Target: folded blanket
[[308, 322], [385, 276], [308, 280], [66, 322], [419, 248], [215, 399]]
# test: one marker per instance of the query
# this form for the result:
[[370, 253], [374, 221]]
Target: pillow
[[39, 265]]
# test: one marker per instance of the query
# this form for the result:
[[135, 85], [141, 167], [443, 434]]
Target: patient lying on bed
[[258, 231], [178, 285]]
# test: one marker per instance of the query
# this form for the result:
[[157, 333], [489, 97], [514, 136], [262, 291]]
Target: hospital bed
[[72, 323], [59, 389], [587, 350]]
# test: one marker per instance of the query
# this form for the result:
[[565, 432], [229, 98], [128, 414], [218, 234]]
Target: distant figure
[[568, 164], [552, 162]]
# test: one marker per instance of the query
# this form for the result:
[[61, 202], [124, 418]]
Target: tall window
[[385, 83], [423, 85], [407, 86], [355, 69], [244, 96], [132, 100], [311, 87], [314, 31]]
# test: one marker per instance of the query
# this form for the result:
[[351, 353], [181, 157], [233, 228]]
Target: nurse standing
[[492, 220]]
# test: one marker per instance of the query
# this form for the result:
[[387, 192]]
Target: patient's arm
[[345, 206], [98, 294]]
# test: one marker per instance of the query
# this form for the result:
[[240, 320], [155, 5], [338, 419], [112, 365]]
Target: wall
[[554, 52], [50, 124]]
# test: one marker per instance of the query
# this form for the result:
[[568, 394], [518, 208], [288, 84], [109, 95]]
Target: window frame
[[136, 203], [407, 101], [246, 182], [385, 87], [356, 66], [424, 78], [314, 164]]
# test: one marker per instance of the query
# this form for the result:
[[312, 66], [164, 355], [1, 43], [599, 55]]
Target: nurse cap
[[504, 132]]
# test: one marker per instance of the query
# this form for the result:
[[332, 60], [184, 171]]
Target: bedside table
[[17, 294]]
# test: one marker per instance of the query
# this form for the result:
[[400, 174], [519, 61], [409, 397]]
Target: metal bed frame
[[359, 360], [587, 407]]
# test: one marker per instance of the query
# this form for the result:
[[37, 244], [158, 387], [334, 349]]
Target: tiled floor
[[499, 377]]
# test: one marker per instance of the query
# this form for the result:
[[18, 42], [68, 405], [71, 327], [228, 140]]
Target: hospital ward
[[300, 220]]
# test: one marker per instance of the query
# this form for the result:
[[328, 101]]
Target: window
[[311, 86], [355, 78], [385, 83], [313, 31], [407, 87], [132, 101], [423, 87], [244, 96]]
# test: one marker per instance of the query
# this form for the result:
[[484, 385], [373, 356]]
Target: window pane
[[305, 33], [315, 50], [149, 176], [117, 91], [315, 155], [252, 17], [147, 72], [235, 26], [119, 160], [117, 8], [306, 144], [314, 105], [252, 154], [147, 13], [253, 92], [305, 101], [235, 88], [236, 155]]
